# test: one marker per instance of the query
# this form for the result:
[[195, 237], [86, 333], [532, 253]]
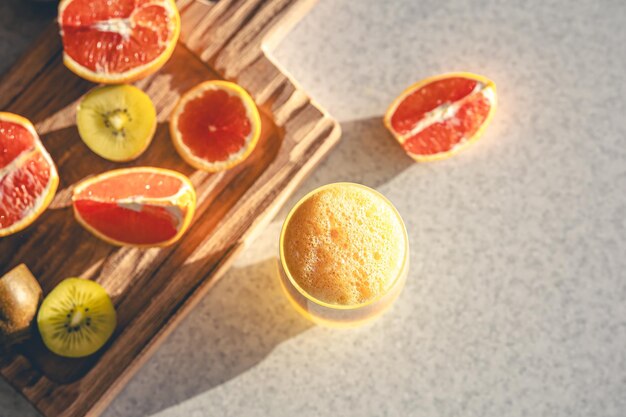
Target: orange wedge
[[215, 126], [439, 116], [28, 177], [141, 206], [119, 41]]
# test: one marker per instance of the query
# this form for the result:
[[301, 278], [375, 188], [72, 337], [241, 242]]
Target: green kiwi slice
[[77, 318], [116, 122]]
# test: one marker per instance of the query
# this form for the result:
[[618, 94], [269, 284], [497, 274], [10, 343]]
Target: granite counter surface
[[516, 299]]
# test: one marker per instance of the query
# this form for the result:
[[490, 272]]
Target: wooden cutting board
[[154, 289]]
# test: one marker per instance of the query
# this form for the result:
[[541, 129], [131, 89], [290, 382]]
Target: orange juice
[[344, 254]]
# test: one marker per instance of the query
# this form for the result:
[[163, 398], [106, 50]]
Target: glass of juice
[[344, 255]]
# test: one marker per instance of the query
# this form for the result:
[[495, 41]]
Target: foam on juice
[[344, 245]]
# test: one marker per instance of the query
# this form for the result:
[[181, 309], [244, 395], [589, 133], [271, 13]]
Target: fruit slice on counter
[[28, 177], [77, 318], [215, 126], [141, 206], [20, 295], [117, 41], [117, 122], [439, 116]]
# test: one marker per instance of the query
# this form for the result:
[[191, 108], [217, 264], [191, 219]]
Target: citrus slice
[[141, 206], [439, 116], [117, 122], [117, 41], [28, 177], [215, 126]]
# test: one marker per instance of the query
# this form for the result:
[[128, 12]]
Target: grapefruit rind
[[185, 197], [252, 113], [53, 182], [136, 73], [488, 89]]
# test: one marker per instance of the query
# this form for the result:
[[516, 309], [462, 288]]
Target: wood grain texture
[[154, 289]]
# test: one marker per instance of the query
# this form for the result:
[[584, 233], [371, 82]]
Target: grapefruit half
[[119, 41], [28, 177]]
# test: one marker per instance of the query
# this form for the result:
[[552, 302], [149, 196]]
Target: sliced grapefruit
[[141, 206], [439, 116], [28, 177], [117, 41], [215, 126]]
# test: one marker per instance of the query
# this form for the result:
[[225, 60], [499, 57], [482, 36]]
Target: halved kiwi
[[77, 318], [116, 122]]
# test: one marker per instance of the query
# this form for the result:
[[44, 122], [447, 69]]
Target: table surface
[[516, 299]]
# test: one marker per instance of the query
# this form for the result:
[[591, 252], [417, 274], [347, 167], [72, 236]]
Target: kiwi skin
[[20, 296]]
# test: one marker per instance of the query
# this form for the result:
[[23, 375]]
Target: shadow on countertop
[[12, 404], [240, 322], [366, 154]]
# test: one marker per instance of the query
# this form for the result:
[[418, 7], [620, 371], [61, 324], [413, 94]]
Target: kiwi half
[[116, 122], [77, 318]]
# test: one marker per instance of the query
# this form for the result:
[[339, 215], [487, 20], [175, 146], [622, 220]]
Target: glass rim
[[317, 301]]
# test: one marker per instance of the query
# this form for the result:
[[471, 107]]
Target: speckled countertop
[[516, 300]]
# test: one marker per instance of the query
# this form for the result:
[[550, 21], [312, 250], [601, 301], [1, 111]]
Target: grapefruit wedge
[[28, 177], [215, 126], [141, 206], [439, 116], [117, 41]]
